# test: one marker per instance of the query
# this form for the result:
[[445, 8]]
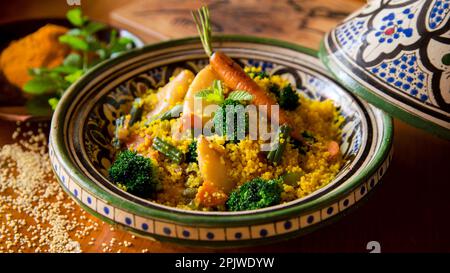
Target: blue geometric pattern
[[392, 28], [259, 63], [438, 13], [404, 74], [349, 35]]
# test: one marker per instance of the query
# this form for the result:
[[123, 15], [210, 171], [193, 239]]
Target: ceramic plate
[[396, 55], [82, 128]]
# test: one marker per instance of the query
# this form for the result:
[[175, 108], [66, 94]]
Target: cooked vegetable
[[136, 111], [305, 144], [135, 173], [123, 124], [291, 179], [286, 96], [203, 80], [120, 132], [208, 195], [206, 173], [289, 98], [333, 149], [275, 155], [190, 193], [192, 155], [172, 113], [231, 73], [215, 94], [255, 194], [168, 150], [222, 121], [172, 93], [261, 75], [214, 170], [308, 136]]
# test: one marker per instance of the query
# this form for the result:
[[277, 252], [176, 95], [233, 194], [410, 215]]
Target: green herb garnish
[[87, 51], [215, 94]]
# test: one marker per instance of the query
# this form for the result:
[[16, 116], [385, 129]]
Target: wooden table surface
[[407, 212]]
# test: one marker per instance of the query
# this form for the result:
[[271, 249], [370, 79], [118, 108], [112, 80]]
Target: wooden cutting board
[[299, 21]]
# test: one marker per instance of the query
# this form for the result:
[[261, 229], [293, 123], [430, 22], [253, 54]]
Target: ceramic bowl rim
[[57, 140]]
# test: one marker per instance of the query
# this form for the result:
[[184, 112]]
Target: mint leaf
[[203, 93], [75, 32], [214, 98], [240, 95], [37, 71], [125, 40], [65, 69], [74, 76], [74, 42], [75, 17], [217, 87], [53, 102], [73, 60], [39, 85], [93, 27]]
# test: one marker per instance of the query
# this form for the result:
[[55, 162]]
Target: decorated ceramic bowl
[[82, 129], [396, 55]]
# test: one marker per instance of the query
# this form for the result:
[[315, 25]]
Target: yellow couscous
[[306, 164]]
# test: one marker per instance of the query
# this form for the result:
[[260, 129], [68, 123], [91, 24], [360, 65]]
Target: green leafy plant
[[215, 94], [87, 51]]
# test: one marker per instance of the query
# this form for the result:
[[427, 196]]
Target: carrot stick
[[233, 75], [236, 78], [333, 149]]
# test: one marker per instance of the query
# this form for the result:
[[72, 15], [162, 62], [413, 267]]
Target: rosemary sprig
[[202, 21]]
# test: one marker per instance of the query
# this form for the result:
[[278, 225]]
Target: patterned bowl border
[[395, 55], [223, 229]]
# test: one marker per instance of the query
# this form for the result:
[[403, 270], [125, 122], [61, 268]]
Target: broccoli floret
[[135, 173], [191, 155], [221, 122], [261, 75], [255, 194], [288, 99]]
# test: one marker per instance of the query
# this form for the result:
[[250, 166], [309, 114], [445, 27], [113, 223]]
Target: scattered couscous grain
[[35, 214]]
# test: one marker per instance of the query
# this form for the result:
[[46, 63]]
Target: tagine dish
[[251, 140], [172, 152]]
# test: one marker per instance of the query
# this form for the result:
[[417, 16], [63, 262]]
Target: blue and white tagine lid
[[396, 55]]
